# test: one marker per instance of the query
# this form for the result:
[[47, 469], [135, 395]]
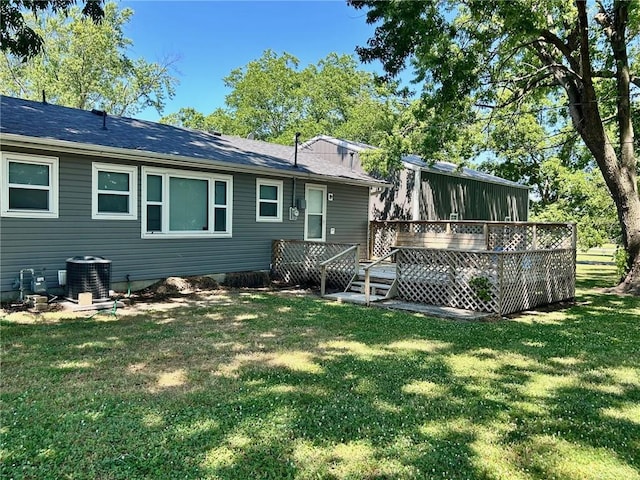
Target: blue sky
[[210, 38]]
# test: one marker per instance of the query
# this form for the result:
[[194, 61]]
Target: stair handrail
[[323, 266], [367, 275]]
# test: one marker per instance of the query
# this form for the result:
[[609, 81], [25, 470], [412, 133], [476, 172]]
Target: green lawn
[[603, 254], [260, 385]]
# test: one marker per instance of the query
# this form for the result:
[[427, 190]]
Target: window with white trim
[[185, 204], [29, 186], [114, 192], [268, 200]]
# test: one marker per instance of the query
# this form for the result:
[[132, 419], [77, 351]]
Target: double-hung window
[[114, 192], [268, 200], [185, 204], [29, 186]]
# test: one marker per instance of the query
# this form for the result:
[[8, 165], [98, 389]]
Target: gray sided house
[[425, 191], [158, 200]]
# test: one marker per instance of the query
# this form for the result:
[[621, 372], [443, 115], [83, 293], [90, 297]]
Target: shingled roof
[[444, 168], [38, 124]]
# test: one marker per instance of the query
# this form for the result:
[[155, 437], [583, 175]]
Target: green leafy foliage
[[482, 288], [188, 117], [621, 259], [86, 65], [272, 98], [17, 36], [533, 145], [265, 96], [581, 197]]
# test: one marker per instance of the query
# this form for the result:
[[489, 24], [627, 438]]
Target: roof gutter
[[66, 146]]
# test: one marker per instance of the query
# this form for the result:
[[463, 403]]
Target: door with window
[[315, 216]]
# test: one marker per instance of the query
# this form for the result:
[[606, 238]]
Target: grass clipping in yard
[[263, 385]]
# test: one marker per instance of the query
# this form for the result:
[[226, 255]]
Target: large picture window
[[268, 200], [29, 186], [185, 204], [114, 190]]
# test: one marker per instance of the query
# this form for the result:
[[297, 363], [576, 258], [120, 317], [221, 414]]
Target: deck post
[[500, 283], [485, 231], [323, 279], [367, 286]]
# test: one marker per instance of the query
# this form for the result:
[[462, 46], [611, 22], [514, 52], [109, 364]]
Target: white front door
[[315, 215]]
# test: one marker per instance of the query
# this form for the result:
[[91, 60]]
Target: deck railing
[[509, 236], [299, 262], [518, 266], [344, 266], [499, 282], [498, 267], [367, 276]]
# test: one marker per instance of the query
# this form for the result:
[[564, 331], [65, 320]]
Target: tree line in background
[[272, 98], [536, 96], [83, 62]]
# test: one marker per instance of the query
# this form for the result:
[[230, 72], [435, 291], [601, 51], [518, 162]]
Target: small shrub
[[482, 288], [621, 257]]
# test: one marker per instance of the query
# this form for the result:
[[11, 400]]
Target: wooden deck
[[524, 265], [384, 270]]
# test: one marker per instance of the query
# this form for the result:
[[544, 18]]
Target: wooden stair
[[380, 288]]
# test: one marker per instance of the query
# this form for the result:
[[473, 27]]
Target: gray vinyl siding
[[47, 243], [337, 154], [348, 214], [442, 195]]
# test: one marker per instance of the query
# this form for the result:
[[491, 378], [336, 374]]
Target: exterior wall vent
[[88, 274]]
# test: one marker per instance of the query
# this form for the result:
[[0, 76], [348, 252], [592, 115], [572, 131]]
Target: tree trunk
[[622, 183], [619, 170]]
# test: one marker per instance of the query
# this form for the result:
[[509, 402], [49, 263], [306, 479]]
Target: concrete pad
[[352, 297], [429, 310], [74, 307], [435, 310]]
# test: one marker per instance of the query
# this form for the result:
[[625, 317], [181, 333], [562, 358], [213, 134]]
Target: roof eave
[[413, 166], [66, 146], [407, 164]]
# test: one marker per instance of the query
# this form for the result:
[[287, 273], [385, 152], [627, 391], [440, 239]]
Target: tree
[[503, 52], [272, 98], [85, 65], [265, 95], [188, 117], [19, 39], [534, 145]]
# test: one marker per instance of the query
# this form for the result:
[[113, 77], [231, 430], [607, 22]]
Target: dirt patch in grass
[[167, 294], [175, 287]]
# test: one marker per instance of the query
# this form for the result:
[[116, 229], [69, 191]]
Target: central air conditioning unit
[[88, 274]]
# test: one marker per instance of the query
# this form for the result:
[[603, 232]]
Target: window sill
[[189, 235], [28, 214], [113, 217]]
